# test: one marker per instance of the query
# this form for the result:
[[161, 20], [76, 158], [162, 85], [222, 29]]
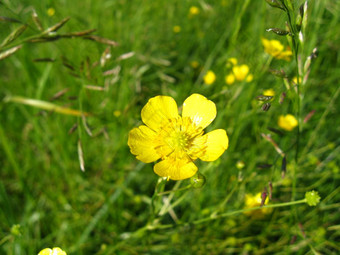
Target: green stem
[[224, 215], [295, 44], [172, 191]]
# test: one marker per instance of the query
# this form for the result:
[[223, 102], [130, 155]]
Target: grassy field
[[70, 96]]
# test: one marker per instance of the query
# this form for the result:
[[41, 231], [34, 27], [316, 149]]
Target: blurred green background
[[163, 49]]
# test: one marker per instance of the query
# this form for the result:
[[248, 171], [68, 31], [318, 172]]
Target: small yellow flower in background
[[269, 93], [230, 79], [194, 64], [117, 113], [50, 12], [276, 49], [296, 81], [255, 201], [209, 78], [177, 140], [176, 29], [249, 78], [287, 122], [240, 164], [232, 61], [240, 72], [194, 11], [54, 251]]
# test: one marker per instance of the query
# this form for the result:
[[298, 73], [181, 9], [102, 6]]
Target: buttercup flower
[[249, 78], [276, 49], [230, 79], [209, 78], [177, 140], [240, 72], [255, 201], [295, 80], [117, 113], [269, 93], [194, 10], [194, 64], [54, 251], [176, 29], [50, 12], [231, 61], [287, 122]]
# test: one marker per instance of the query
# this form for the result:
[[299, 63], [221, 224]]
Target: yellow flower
[[194, 10], [285, 55], [232, 61], [249, 78], [194, 64], [117, 113], [287, 122], [50, 12], [177, 140], [176, 29], [209, 78], [240, 164], [269, 93], [255, 201], [295, 80], [240, 72], [230, 79], [54, 251], [276, 49]]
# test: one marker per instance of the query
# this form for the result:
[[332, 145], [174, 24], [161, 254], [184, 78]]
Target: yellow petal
[[240, 72], [175, 168], [141, 143], [199, 109], [46, 251], [58, 251], [287, 122], [216, 143], [158, 110], [230, 79]]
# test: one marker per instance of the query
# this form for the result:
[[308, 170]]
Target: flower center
[[177, 136], [178, 140]]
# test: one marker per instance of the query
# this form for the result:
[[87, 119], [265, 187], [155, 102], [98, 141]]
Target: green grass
[[109, 208]]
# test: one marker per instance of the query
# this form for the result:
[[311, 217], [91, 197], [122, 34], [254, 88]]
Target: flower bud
[[197, 181], [278, 31], [312, 198], [278, 73], [276, 4], [265, 107], [16, 230], [264, 98]]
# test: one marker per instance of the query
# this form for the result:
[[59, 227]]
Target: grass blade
[[14, 35], [45, 105]]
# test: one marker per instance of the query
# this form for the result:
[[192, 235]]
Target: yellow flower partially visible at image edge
[[177, 140], [287, 122], [209, 78], [54, 251]]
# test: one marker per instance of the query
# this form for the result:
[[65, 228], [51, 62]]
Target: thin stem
[[224, 215], [172, 191]]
